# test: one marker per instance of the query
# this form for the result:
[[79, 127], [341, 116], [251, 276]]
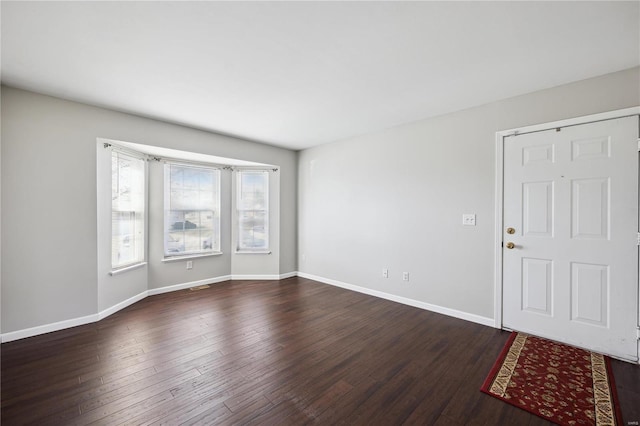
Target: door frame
[[499, 191]]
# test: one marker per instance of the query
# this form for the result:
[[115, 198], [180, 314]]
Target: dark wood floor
[[287, 352]]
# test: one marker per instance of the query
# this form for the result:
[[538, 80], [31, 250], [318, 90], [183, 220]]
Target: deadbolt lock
[[510, 245], [511, 231]]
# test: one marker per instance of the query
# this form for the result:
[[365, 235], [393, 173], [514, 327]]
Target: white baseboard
[[272, 277], [119, 306], [74, 322], [61, 325], [177, 287], [48, 328], [288, 275], [255, 277], [404, 300]]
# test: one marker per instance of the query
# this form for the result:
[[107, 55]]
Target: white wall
[[395, 198], [49, 199]]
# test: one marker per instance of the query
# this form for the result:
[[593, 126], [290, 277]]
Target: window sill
[[127, 268], [253, 251], [189, 256]]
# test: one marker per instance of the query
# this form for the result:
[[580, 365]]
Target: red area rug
[[560, 383]]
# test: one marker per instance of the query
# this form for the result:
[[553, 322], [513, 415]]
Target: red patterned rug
[[560, 383]]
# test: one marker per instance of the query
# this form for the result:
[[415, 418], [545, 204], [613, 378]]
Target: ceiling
[[300, 74]]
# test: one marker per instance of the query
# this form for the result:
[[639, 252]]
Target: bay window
[[127, 210], [252, 203]]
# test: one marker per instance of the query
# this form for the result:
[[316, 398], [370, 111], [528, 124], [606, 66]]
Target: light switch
[[469, 219]]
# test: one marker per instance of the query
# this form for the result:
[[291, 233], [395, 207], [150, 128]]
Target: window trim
[[189, 256], [171, 257], [127, 268], [114, 270], [253, 252], [267, 210]]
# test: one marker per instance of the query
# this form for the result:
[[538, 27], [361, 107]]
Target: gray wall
[[395, 198], [49, 197], [391, 199], [0, 214]]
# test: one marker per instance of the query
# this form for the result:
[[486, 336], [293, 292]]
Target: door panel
[[537, 285], [590, 293], [590, 208], [537, 209], [572, 196]]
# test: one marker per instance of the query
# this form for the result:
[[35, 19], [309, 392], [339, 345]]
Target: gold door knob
[[510, 245], [511, 231]]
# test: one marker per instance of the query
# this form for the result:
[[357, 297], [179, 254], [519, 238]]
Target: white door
[[571, 197]]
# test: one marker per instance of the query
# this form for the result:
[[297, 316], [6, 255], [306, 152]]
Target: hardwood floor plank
[[249, 411], [209, 416], [286, 413], [50, 401], [327, 399], [627, 377], [429, 410], [287, 352], [125, 412], [115, 393]]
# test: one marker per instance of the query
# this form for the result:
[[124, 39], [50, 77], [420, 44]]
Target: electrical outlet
[[189, 264], [385, 273], [469, 219], [405, 276]]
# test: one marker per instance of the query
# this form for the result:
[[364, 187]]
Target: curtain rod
[[149, 157]]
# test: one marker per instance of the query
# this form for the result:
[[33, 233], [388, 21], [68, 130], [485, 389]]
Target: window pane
[[122, 237], [205, 199], [192, 240], [127, 210], [206, 182], [192, 222], [175, 220], [191, 178], [176, 177], [175, 242], [253, 212], [206, 220], [252, 230]]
